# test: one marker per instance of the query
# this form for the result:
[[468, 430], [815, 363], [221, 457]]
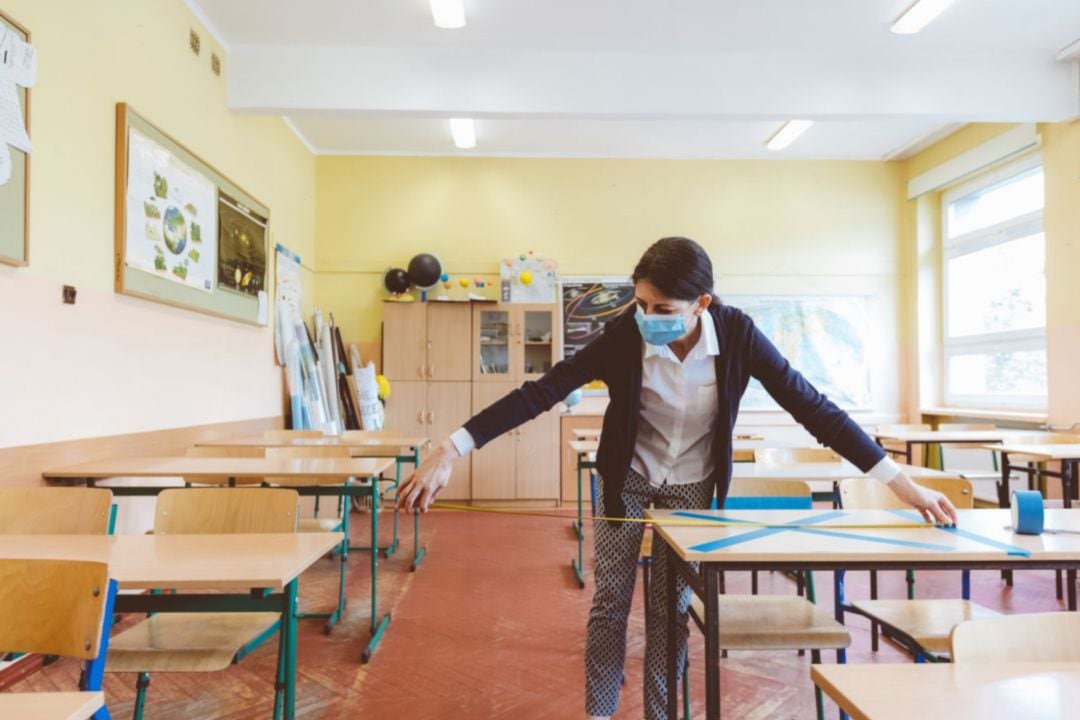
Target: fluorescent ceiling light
[[916, 17], [448, 14], [464, 132], [787, 134]]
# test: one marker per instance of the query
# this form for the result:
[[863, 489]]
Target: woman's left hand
[[932, 505]]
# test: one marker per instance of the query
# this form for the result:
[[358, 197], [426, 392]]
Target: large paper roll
[[1027, 512]]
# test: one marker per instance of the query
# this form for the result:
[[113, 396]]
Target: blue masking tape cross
[[754, 534], [1008, 548]]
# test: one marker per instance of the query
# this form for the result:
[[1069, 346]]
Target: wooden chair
[[55, 511], [774, 457], [1032, 637], [991, 474], [921, 625], [57, 607], [203, 642], [283, 435], [773, 622]]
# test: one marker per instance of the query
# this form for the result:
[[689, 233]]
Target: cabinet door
[[492, 344], [406, 406], [536, 339], [449, 406], [493, 466], [536, 469], [405, 339], [449, 341]]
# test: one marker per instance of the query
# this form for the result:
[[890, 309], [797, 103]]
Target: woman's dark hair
[[678, 267]]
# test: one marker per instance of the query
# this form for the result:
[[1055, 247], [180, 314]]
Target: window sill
[[987, 414]]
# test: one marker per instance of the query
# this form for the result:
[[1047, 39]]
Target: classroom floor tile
[[493, 626]]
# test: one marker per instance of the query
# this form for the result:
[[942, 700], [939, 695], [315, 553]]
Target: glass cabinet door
[[538, 340], [494, 344]]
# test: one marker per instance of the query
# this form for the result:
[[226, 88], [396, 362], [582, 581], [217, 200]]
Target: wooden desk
[[979, 542], [1068, 454], [403, 449], [821, 472], [258, 573], [586, 433], [51, 705], [310, 476], [911, 438], [968, 691]]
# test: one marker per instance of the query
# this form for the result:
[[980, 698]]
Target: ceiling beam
[[439, 82]]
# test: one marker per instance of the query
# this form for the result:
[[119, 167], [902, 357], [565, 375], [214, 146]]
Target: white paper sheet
[[5, 163], [25, 64], [172, 226], [261, 318], [12, 127]]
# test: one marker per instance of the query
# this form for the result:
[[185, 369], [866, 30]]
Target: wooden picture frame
[[15, 194], [129, 280]]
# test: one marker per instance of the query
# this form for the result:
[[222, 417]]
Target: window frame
[[999, 233]]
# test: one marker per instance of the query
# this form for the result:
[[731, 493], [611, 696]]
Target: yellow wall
[[114, 364], [770, 226], [1060, 149]]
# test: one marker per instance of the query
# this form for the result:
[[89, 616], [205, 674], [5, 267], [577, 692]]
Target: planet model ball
[[463, 282], [444, 277], [526, 278], [425, 270], [574, 398], [396, 281]]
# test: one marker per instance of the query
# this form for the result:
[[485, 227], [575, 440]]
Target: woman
[[676, 368]]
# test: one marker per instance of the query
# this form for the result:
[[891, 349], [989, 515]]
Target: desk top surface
[[373, 443], [842, 536], [51, 705], [947, 691], [810, 471], [210, 469], [949, 436], [1054, 451], [189, 562]]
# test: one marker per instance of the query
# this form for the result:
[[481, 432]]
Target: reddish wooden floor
[[492, 626]]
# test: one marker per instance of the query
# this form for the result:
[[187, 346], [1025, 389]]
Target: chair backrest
[[790, 456], [1040, 438], [190, 511], [53, 607], [872, 494], [1031, 637], [754, 494], [282, 435], [54, 511], [225, 451]]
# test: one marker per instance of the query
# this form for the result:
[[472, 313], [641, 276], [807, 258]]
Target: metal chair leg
[[141, 686]]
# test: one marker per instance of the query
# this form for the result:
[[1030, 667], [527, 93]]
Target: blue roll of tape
[[1027, 512]]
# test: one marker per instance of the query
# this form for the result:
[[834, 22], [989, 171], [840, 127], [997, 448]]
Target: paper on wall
[[12, 126], [261, 317], [5, 163]]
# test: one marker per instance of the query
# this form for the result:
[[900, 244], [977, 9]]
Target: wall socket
[[69, 295]]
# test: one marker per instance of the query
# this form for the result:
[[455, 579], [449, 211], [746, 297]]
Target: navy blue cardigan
[[616, 357]]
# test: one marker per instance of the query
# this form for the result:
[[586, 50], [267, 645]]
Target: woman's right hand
[[420, 488]]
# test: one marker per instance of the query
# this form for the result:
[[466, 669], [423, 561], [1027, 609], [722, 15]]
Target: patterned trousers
[[618, 546]]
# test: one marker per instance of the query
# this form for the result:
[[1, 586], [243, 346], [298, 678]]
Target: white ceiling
[[643, 78]]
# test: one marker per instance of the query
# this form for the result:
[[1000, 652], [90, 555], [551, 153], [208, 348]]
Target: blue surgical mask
[[660, 329]]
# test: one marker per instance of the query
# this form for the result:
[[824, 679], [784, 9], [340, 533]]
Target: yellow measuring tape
[[679, 522]]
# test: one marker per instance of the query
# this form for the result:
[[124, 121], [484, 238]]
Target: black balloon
[[425, 270], [396, 280]]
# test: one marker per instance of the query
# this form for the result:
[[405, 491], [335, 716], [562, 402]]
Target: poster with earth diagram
[[171, 216], [241, 247]]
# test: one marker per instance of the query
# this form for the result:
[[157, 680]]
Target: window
[[995, 290]]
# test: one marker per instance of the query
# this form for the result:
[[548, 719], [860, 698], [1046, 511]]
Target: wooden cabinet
[[434, 409], [427, 341], [447, 360], [519, 465], [513, 342]]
